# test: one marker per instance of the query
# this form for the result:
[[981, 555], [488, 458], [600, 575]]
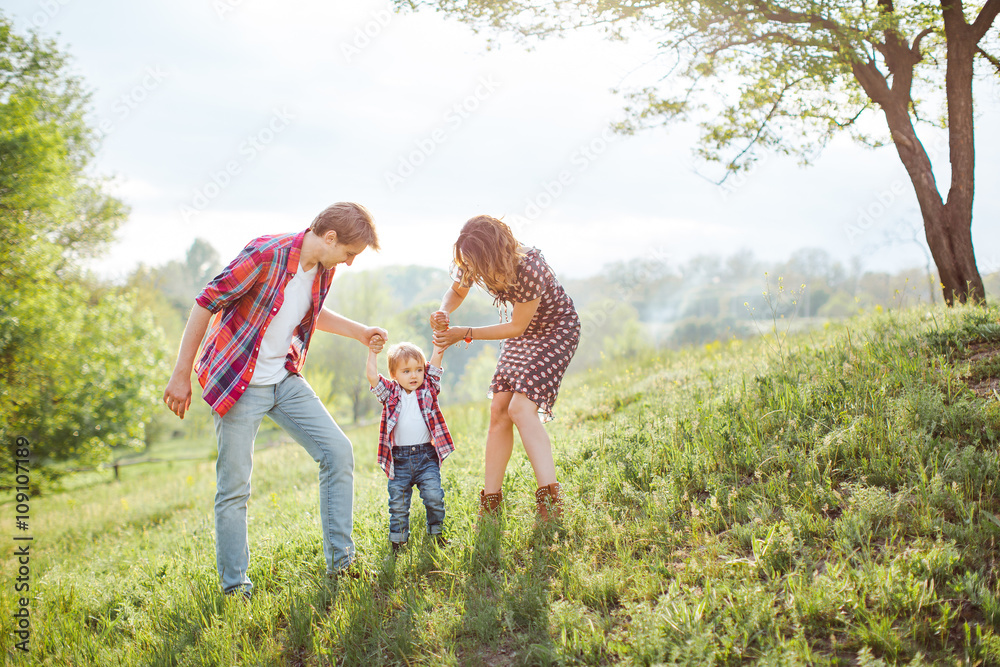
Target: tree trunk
[[948, 227], [947, 224], [966, 282]]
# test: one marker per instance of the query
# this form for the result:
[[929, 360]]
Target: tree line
[[78, 360]]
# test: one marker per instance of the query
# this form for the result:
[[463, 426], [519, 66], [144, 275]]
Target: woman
[[540, 337]]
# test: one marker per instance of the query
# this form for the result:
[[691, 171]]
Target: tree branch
[[788, 17], [985, 19], [915, 48], [872, 81], [760, 127], [993, 59], [850, 121], [773, 36]]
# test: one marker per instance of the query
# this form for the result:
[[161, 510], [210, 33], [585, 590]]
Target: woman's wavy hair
[[487, 254]]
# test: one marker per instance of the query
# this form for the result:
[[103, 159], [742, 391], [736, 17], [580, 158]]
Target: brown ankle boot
[[548, 502], [489, 503]]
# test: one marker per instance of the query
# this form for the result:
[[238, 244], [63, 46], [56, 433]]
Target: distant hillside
[[410, 285]]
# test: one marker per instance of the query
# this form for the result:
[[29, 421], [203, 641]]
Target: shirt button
[[242, 387]]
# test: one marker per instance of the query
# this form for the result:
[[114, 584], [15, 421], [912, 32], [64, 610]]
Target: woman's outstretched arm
[[520, 317], [452, 299]]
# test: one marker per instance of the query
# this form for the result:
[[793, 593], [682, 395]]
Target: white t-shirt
[[277, 338], [410, 428]]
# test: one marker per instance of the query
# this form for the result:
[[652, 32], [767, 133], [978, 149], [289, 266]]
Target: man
[[267, 304]]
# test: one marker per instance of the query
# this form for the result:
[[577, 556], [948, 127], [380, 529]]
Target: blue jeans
[[294, 406], [415, 465]]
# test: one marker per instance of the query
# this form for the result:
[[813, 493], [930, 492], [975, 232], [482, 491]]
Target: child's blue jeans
[[415, 465]]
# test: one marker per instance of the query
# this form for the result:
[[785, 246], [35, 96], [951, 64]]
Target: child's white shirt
[[410, 428]]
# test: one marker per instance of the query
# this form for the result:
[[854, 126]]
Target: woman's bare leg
[[524, 413], [499, 442]]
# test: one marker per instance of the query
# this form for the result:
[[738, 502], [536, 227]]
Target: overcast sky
[[226, 119]]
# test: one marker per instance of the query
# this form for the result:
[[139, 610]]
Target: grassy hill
[[826, 498]]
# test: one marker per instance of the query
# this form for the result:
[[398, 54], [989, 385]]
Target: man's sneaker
[[242, 592], [238, 603], [397, 547], [352, 571], [442, 541]]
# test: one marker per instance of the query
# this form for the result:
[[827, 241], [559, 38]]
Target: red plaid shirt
[[389, 391], [245, 297]]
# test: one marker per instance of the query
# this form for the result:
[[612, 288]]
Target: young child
[[413, 438]]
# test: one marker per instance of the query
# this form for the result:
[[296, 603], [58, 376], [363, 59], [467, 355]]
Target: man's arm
[[335, 323], [177, 395]]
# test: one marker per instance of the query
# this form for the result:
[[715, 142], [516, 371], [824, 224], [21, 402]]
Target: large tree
[[787, 76], [78, 363]]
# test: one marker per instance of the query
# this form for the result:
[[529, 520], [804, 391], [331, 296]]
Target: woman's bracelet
[[468, 336]]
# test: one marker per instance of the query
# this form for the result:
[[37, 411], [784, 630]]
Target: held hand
[[376, 343], [371, 332], [177, 395], [445, 338], [439, 320]]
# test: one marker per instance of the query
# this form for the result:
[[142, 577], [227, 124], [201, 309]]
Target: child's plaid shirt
[[388, 392]]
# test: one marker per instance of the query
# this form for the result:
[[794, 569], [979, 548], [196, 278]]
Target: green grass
[[829, 500]]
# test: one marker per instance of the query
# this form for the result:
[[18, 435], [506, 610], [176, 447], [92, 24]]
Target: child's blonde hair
[[401, 352]]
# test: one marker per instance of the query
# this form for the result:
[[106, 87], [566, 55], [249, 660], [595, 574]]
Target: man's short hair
[[352, 222]]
